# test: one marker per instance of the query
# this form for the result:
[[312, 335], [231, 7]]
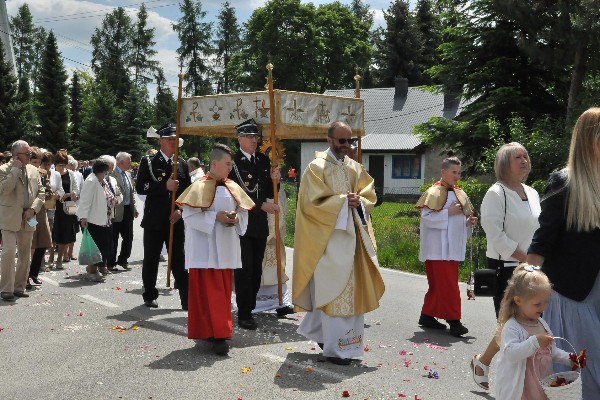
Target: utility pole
[[5, 35]]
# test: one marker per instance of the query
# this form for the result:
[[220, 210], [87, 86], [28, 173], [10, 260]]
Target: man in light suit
[[21, 197], [125, 212]]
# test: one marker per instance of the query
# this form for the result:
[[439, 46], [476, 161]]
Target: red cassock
[[442, 299], [209, 303]]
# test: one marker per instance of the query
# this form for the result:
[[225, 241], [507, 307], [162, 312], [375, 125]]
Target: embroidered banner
[[297, 115]]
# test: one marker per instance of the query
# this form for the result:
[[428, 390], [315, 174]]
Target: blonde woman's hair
[[526, 282], [502, 160], [583, 174]]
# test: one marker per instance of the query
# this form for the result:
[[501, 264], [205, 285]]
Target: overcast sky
[[74, 21]]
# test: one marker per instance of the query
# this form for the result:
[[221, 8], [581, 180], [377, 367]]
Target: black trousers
[[503, 274], [154, 239], [102, 236], [125, 229], [36, 262], [247, 278]]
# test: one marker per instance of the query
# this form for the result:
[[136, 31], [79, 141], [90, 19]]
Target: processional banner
[[297, 115]]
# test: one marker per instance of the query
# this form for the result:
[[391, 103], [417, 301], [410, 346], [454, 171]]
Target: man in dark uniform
[[155, 181], [252, 171]]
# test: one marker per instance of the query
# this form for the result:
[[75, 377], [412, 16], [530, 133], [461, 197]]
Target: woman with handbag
[[509, 218], [63, 231], [41, 238], [96, 211]]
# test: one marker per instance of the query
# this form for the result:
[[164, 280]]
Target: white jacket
[[92, 203], [519, 226], [515, 347]]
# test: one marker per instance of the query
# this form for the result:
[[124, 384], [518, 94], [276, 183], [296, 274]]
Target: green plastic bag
[[89, 253]]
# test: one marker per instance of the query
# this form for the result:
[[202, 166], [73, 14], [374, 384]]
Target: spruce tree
[[401, 45], [133, 124], [143, 51], [113, 51], [165, 105], [195, 47], [39, 47], [52, 100], [228, 42], [100, 121], [8, 95], [428, 24], [75, 105], [23, 40], [26, 118]]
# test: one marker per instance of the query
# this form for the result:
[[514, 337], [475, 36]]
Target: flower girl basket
[[571, 391]]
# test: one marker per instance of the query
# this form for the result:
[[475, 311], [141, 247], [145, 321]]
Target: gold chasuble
[[436, 195], [342, 262], [201, 193]]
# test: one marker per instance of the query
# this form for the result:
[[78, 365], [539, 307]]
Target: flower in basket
[[578, 360], [560, 381]]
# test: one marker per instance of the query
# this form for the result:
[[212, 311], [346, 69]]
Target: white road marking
[[158, 320], [50, 281], [303, 366], [98, 301]]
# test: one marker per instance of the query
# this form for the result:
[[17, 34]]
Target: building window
[[406, 166]]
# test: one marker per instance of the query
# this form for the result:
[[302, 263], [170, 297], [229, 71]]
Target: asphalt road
[[63, 343]]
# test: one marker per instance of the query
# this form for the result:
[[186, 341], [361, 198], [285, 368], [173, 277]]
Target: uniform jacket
[[249, 176], [119, 208], [11, 196], [153, 173]]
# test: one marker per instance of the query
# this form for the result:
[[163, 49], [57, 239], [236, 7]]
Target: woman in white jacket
[[509, 217], [96, 208]]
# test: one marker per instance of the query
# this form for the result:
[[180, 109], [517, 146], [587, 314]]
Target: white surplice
[[443, 237], [211, 244]]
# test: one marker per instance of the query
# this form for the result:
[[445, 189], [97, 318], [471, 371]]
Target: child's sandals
[[480, 380]]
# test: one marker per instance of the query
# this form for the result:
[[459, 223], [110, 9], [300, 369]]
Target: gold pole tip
[[270, 66]]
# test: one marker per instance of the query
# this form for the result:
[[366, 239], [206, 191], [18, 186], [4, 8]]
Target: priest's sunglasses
[[344, 140]]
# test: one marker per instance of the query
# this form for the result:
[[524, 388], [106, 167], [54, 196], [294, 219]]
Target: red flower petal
[[345, 393]]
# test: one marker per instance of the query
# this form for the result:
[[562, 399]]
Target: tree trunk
[[579, 68]]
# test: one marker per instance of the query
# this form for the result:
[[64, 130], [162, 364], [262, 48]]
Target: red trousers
[[209, 303], [442, 299]]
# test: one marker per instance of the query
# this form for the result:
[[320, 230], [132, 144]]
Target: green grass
[[396, 227]]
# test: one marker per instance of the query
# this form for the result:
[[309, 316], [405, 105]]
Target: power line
[[97, 14]]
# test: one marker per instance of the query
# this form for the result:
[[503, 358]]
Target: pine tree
[[401, 45], [23, 40], [8, 94], [26, 122], [363, 12], [113, 51], [228, 42], [195, 49], [143, 51], [52, 101], [75, 103]]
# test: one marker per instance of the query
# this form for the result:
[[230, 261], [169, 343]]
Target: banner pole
[[174, 176], [275, 191]]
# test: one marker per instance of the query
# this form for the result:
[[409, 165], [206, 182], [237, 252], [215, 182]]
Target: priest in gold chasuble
[[336, 273]]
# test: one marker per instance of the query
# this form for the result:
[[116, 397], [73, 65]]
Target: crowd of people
[[222, 222]]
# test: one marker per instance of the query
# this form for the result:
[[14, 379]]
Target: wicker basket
[[572, 391]]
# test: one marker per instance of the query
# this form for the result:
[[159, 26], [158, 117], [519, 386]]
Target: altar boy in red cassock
[[446, 223], [215, 211]]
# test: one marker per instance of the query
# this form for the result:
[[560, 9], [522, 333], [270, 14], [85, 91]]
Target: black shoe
[[151, 303], [124, 265], [428, 321], [220, 347], [21, 294], [457, 329], [320, 345], [249, 324], [184, 307], [36, 281], [283, 311], [339, 361]]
